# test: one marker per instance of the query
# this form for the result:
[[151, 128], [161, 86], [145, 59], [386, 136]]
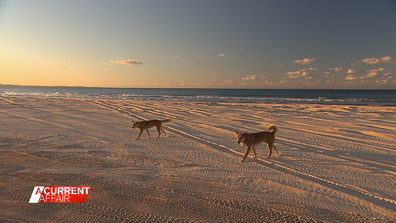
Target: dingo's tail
[[273, 127]]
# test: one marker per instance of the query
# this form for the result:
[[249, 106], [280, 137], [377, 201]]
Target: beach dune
[[337, 163]]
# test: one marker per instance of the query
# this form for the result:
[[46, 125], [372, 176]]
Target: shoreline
[[336, 162]]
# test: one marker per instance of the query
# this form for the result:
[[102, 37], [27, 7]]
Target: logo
[[59, 194]]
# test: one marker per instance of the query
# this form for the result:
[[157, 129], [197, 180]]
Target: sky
[[297, 44]]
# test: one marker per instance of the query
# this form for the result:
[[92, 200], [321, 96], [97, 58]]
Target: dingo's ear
[[236, 132], [244, 133]]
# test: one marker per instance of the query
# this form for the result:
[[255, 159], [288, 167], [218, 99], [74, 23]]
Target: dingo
[[253, 139], [144, 125]]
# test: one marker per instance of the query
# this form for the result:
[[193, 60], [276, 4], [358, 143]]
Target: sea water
[[336, 97]]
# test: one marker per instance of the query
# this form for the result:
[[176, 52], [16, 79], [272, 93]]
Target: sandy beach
[[337, 163]]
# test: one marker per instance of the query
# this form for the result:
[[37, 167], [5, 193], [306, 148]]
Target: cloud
[[313, 68], [297, 74], [305, 61], [336, 69], [383, 81], [372, 60], [123, 62], [227, 82], [350, 71], [175, 56], [221, 55], [350, 77], [387, 59], [254, 77], [372, 73], [127, 62], [64, 68]]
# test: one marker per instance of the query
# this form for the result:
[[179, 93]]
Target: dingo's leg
[[148, 133], [246, 153], [159, 129], [254, 152], [140, 133], [270, 149]]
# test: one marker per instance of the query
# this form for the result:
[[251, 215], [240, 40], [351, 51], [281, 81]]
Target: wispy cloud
[[175, 56], [337, 69], [221, 55], [123, 62], [305, 61], [227, 82], [254, 77], [64, 68]]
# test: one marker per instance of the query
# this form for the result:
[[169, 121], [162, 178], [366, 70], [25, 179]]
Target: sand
[[336, 163]]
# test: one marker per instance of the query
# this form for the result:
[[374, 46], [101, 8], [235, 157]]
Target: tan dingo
[[253, 139], [144, 125]]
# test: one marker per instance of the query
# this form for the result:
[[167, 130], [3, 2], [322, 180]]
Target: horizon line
[[76, 86]]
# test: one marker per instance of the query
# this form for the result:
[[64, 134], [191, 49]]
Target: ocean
[[336, 97]]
